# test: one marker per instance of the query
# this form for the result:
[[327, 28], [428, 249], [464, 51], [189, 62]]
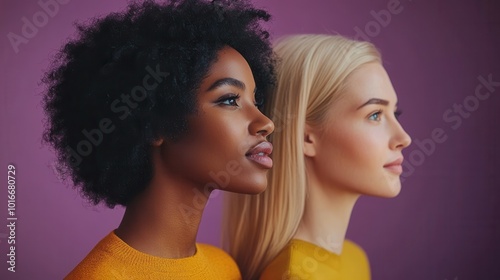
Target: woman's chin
[[392, 191], [255, 186]]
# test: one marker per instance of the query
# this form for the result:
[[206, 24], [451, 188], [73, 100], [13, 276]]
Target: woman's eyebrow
[[374, 101], [227, 82]]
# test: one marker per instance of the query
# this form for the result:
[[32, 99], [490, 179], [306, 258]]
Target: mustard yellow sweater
[[112, 258], [304, 260]]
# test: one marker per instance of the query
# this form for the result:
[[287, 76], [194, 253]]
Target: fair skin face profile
[[226, 139], [356, 151]]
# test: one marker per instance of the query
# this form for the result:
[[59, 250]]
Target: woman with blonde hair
[[337, 137]]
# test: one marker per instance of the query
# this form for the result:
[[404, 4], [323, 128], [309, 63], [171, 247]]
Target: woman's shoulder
[[221, 263], [112, 258], [216, 254], [100, 262], [353, 250], [303, 260], [355, 261]]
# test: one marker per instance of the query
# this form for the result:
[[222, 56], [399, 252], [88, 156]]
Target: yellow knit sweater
[[112, 258], [303, 260]]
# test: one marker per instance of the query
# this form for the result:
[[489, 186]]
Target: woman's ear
[[310, 142]]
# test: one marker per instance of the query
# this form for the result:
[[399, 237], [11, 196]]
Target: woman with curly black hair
[[152, 109]]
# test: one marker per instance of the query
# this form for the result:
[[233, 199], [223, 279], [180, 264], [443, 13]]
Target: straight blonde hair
[[311, 74]]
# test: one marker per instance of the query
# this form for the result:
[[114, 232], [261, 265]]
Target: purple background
[[445, 224]]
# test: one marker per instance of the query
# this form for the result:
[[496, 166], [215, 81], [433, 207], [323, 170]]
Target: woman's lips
[[395, 166], [260, 154]]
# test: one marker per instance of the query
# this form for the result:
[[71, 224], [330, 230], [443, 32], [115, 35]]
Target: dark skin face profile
[[225, 127], [140, 70], [224, 148]]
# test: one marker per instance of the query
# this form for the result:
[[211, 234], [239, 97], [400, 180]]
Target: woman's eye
[[229, 101], [375, 116], [259, 105], [398, 113], [259, 100]]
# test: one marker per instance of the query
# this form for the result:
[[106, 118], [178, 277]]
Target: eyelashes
[[397, 114], [375, 116], [231, 99], [259, 103]]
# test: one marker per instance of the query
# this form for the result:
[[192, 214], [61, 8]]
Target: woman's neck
[[163, 221], [326, 216]]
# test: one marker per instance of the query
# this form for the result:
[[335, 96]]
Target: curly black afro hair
[[130, 78]]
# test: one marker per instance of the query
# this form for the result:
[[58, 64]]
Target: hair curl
[[130, 78]]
